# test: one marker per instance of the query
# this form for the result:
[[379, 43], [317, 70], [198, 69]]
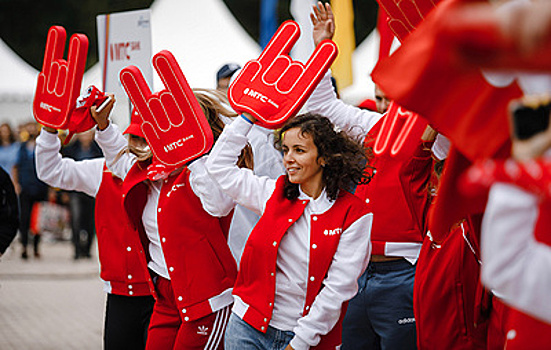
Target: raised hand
[[273, 87], [173, 123], [405, 15], [323, 22], [59, 81]]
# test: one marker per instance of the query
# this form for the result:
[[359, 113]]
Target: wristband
[[247, 119]]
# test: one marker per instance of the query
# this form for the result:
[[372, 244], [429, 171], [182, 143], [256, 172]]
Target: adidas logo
[[203, 330], [406, 320]]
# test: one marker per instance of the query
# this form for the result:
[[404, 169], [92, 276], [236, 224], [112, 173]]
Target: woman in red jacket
[[303, 258], [124, 272], [182, 219]]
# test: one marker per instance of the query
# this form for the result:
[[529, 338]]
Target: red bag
[[172, 120], [59, 81], [274, 87]]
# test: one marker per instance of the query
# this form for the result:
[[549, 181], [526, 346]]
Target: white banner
[[124, 39]]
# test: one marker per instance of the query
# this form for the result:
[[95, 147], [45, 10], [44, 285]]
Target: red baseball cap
[[135, 125]]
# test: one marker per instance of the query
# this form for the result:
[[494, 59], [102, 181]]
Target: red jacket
[[448, 299], [201, 267], [256, 279], [121, 256], [392, 220]]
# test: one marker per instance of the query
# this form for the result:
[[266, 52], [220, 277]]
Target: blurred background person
[[8, 148], [223, 76], [82, 205], [27, 185], [9, 211]]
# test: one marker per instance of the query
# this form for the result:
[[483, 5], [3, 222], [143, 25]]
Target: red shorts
[[167, 331]]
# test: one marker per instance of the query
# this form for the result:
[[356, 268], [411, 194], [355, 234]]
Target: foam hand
[[59, 81], [405, 15], [273, 87], [173, 123]]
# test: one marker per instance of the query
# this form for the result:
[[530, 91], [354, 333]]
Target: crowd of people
[[308, 236]]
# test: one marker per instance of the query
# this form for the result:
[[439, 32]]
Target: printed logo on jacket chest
[[336, 231]]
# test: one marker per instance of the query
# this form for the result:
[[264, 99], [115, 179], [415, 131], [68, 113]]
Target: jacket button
[[275, 243], [307, 307], [315, 218], [184, 311], [163, 239], [312, 278], [159, 210], [129, 249], [131, 292], [129, 286], [314, 246], [272, 274], [265, 320], [304, 202], [290, 220], [129, 277], [186, 318], [171, 269], [263, 328], [123, 195], [180, 299], [367, 200], [271, 304]]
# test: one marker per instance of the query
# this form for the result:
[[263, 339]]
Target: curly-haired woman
[[302, 260]]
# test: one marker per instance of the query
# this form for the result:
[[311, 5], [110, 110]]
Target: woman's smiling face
[[300, 158]]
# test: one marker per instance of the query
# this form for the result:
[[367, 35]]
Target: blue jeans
[[381, 316], [241, 336]]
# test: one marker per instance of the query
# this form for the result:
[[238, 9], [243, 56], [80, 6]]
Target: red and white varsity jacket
[[256, 285], [201, 267], [121, 259], [193, 242], [302, 261]]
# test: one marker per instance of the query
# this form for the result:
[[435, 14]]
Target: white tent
[[16, 87]]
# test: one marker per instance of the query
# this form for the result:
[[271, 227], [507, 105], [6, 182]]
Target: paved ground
[[50, 303]]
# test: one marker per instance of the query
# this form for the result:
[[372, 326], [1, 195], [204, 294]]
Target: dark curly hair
[[344, 157]]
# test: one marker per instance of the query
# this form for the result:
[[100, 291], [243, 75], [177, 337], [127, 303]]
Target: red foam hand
[[399, 127], [59, 81], [274, 87], [405, 15], [172, 120]]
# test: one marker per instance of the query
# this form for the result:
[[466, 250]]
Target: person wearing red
[[301, 262], [449, 301], [123, 270], [381, 314], [182, 220]]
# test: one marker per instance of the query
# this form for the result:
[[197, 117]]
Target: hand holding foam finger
[[60, 80], [173, 122], [273, 87]]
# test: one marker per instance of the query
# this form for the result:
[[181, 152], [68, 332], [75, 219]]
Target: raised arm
[[65, 173], [112, 142], [242, 185], [324, 101]]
